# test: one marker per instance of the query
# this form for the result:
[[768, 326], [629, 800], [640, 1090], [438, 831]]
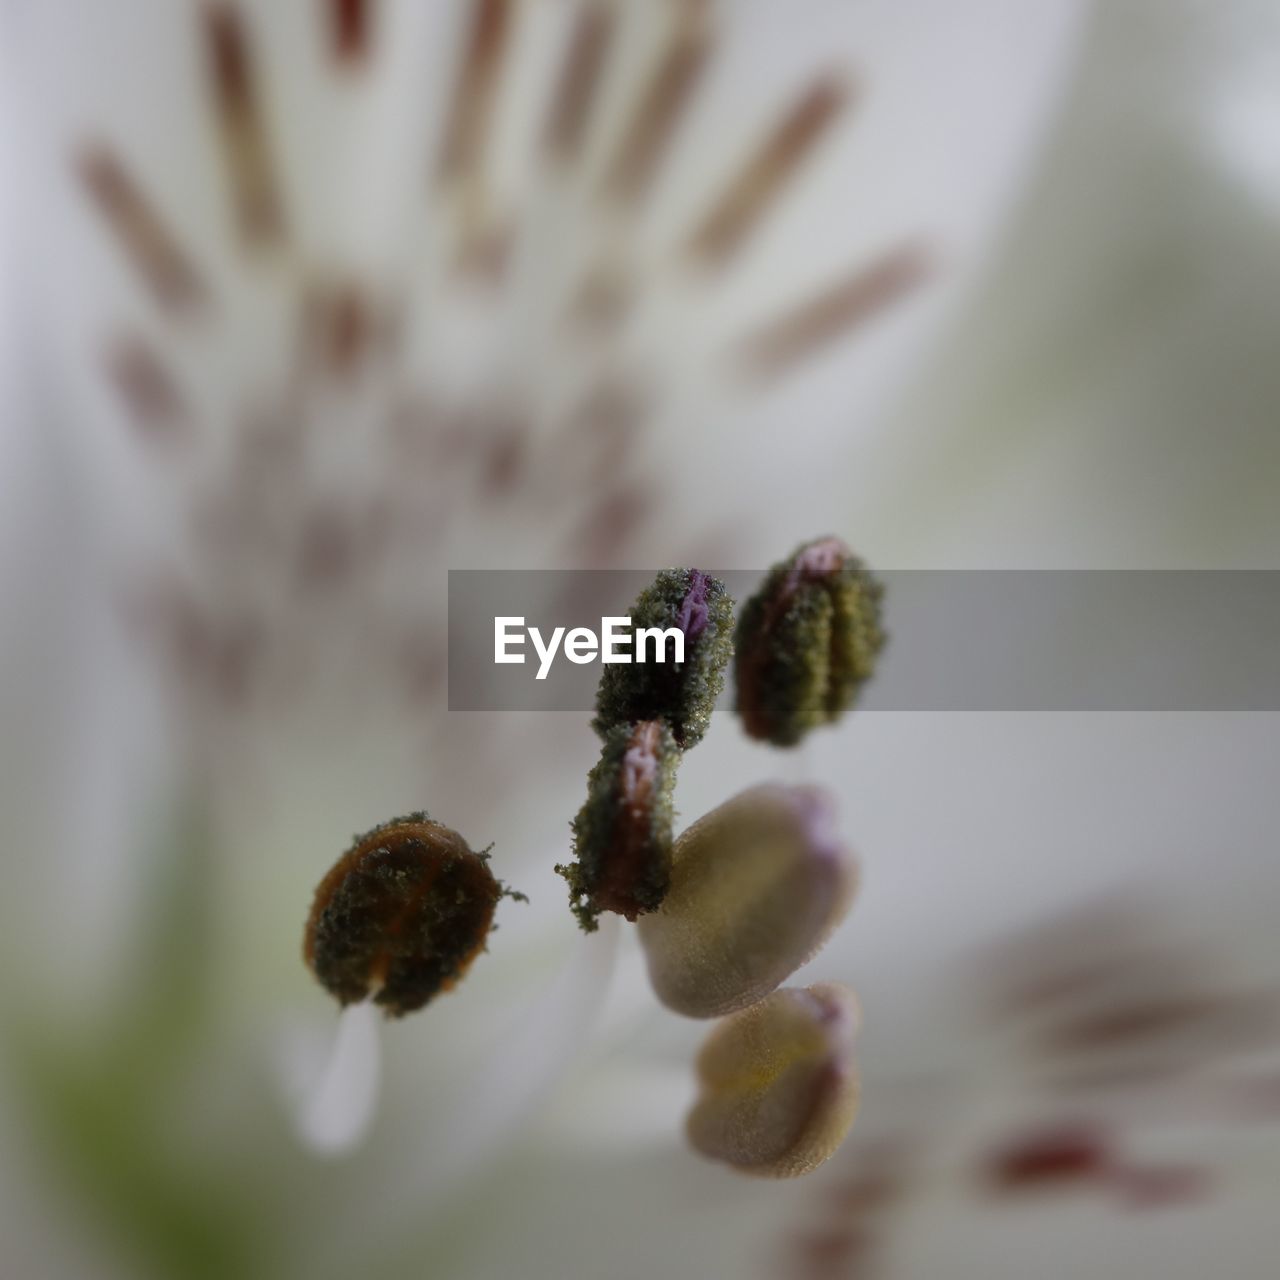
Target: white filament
[[337, 1111]]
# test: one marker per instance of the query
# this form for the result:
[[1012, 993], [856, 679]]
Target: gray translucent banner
[[1043, 640]]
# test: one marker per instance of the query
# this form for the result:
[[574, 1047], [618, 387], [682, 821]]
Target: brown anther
[[401, 916]]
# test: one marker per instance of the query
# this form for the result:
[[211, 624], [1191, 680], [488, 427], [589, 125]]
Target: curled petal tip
[[756, 888], [778, 1090]]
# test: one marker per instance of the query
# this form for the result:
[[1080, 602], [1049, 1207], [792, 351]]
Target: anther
[[681, 694], [401, 915], [806, 642], [778, 1087], [622, 836], [757, 886]]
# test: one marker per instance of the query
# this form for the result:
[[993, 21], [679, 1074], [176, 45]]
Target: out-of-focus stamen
[[658, 110], [835, 311], [576, 91], [243, 128], [150, 245], [745, 202]]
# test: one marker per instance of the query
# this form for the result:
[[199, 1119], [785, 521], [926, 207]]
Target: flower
[[227, 522]]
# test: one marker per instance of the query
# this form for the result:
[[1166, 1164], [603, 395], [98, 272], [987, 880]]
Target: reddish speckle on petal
[[1053, 1157]]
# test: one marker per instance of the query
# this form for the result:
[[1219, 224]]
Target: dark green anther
[[682, 695], [622, 836], [806, 642]]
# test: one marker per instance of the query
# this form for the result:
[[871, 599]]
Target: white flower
[[233, 482]]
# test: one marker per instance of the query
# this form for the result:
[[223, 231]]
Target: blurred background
[[303, 304]]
